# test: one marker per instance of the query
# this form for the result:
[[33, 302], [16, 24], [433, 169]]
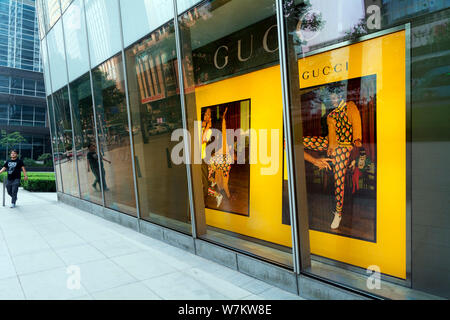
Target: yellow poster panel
[[263, 89], [383, 57]]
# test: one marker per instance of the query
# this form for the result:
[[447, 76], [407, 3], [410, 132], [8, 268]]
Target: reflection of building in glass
[[22, 91]]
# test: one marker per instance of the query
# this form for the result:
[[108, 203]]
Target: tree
[[10, 140]]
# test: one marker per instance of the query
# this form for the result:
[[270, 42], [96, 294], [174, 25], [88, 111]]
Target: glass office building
[[300, 142], [22, 91]]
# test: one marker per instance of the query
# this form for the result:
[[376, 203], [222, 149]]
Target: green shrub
[[47, 158], [37, 182]]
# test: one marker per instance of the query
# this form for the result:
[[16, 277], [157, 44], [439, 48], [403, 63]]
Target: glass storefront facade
[[307, 134]]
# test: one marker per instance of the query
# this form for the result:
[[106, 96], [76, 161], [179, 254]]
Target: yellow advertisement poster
[[353, 102], [254, 207]]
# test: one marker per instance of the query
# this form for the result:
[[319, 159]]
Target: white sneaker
[[13, 206], [336, 221], [219, 199]]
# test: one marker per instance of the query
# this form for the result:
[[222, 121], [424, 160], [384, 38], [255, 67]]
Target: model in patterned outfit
[[206, 175], [344, 127], [220, 164]]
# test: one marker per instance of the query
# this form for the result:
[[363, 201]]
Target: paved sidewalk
[[43, 242]]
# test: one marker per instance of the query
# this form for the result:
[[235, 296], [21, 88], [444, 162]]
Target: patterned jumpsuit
[[344, 129]]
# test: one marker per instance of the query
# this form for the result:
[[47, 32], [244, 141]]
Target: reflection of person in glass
[[206, 139], [344, 132], [220, 163], [92, 160]]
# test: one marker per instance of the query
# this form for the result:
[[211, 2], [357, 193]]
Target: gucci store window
[[154, 93], [114, 148], [367, 99], [54, 141], [85, 140], [235, 117], [64, 143]]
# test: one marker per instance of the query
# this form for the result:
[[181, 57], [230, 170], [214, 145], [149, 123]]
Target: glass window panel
[[233, 92], [4, 81], [103, 29], [65, 4], [183, 5], [28, 113], [156, 113], [357, 168], [85, 140], [40, 114], [113, 134], [45, 66], [56, 56], [75, 35], [15, 112], [4, 111], [65, 141], [57, 155], [29, 85], [25, 151], [143, 17], [17, 83], [52, 11]]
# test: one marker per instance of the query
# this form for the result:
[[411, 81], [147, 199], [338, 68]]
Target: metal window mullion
[[133, 164], [74, 147], [187, 146], [287, 133], [91, 79]]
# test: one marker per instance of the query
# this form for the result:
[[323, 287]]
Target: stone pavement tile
[[50, 285], [226, 273], [7, 269], [14, 223], [30, 213], [222, 286], [93, 233], [64, 240], [10, 289], [37, 261], [178, 258], [143, 265], [180, 286], [79, 254], [146, 242], [102, 275], [256, 286], [20, 245], [3, 248], [19, 231], [51, 228], [115, 246], [278, 294], [8, 215], [134, 291]]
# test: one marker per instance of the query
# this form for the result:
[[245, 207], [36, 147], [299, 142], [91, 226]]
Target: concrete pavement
[[49, 250]]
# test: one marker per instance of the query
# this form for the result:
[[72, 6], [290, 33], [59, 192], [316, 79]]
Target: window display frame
[[304, 258]]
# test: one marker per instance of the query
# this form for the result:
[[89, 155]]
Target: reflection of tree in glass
[[358, 30], [305, 18], [110, 102]]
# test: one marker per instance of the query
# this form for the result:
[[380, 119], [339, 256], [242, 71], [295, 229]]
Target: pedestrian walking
[[14, 166]]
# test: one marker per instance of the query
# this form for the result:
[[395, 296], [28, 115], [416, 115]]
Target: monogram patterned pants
[[340, 165]]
